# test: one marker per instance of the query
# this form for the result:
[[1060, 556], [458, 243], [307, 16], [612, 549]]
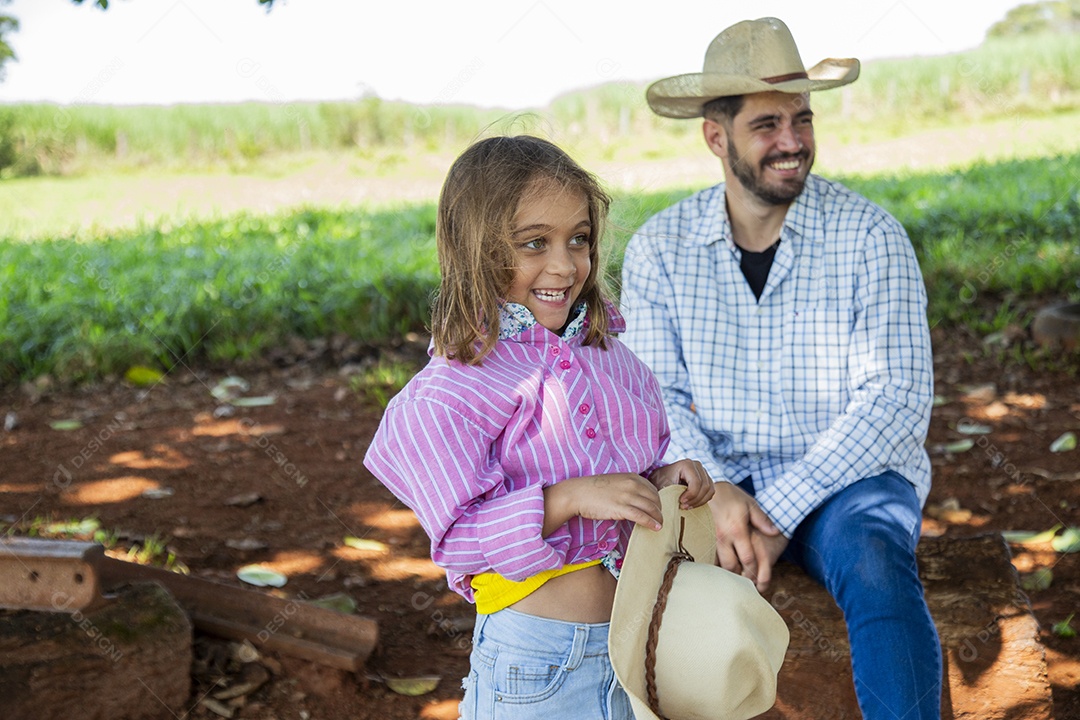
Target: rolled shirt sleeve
[[438, 463]]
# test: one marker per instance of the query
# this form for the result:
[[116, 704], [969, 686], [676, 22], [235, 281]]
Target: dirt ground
[[283, 485]]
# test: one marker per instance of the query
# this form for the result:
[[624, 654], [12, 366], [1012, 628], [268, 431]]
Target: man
[[785, 317]]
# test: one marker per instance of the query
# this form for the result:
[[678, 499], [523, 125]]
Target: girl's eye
[[537, 244], [580, 241]]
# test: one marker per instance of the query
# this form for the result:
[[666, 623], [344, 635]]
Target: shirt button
[[759, 311], [604, 545], [554, 350], [565, 364], [584, 409], [590, 433]]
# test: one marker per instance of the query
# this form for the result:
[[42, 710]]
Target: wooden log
[[995, 666], [129, 659]]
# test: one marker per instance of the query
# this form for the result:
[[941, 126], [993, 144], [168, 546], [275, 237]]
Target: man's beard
[[750, 177]]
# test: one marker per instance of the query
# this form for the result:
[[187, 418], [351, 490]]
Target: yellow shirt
[[493, 592]]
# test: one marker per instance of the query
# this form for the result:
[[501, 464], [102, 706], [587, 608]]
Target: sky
[[509, 53]]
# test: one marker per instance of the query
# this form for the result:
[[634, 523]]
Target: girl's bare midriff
[[581, 596]]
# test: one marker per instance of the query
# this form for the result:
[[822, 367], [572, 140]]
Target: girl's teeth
[[550, 295]]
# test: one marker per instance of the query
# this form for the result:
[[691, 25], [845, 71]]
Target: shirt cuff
[[510, 529], [787, 503]]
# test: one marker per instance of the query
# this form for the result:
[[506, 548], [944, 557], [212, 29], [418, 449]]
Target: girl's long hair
[[479, 200]]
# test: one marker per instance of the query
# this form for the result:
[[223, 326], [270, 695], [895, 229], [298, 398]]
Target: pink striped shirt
[[470, 448]]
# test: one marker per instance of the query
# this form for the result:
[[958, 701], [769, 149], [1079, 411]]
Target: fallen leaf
[[959, 446], [65, 424], [1065, 443], [229, 388], [341, 602], [246, 544], [1024, 537], [420, 685], [365, 544], [258, 401], [1041, 579], [142, 376], [970, 427], [1064, 629], [261, 576], [1068, 541], [244, 499], [73, 527]]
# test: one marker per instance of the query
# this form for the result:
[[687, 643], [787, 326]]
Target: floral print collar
[[515, 318]]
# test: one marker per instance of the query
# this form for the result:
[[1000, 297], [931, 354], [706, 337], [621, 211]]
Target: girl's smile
[[552, 237]]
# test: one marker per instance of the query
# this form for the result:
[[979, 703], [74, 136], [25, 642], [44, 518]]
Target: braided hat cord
[[677, 558]]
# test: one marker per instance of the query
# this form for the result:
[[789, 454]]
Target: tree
[[8, 25], [104, 4], [1059, 16]]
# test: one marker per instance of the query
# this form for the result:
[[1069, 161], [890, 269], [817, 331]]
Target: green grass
[[1014, 77], [225, 290], [109, 200], [1003, 77], [989, 238], [992, 233], [151, 550], [379, 382]]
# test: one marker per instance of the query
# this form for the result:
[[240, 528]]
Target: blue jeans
[[860, 545], [526, 667]]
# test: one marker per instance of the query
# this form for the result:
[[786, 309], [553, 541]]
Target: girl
[[524, 445]]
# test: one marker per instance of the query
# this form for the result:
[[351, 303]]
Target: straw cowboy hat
[[703, 645], [748, 57]]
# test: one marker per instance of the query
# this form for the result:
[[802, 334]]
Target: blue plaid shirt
[[827, 379]]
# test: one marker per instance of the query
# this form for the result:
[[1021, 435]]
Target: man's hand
[[747, 542], [770, 547]]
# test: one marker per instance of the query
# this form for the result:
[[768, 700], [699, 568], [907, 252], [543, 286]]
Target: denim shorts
[[524, 667]]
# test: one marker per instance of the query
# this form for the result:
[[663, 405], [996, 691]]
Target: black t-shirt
[[755, 267]]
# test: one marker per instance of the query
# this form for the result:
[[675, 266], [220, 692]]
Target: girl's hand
[[699, 486], [615, 496]]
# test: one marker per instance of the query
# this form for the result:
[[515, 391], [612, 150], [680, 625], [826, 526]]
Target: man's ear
[[715, 137]]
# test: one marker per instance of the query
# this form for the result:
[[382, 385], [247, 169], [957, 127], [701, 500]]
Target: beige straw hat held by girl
[[688, 639], [749, 57]]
